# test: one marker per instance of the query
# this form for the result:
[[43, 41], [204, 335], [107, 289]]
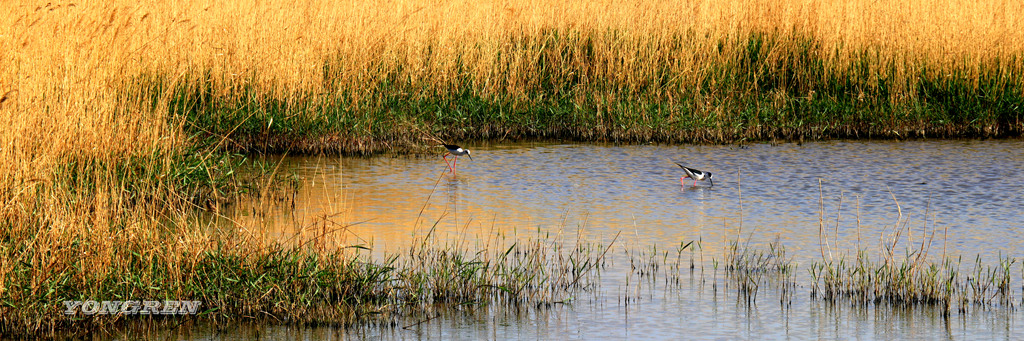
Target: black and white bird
[[456, 151], [695, 174]]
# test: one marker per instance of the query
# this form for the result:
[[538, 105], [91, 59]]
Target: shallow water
[[969, 190], [962, 196]]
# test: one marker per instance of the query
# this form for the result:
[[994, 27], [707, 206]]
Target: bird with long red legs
[[694, 174], [454, 151]]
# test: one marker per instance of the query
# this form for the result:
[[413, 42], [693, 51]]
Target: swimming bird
[[695, 174], [456, 151]]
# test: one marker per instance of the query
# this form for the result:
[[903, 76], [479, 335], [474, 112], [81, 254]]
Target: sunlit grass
[[372, 76]]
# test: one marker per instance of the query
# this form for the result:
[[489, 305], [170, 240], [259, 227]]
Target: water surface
[[969, 190], [962, 197]]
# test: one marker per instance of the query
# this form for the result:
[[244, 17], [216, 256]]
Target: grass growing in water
[[911, 278], [749, 268], [246, 275], [909, 282]]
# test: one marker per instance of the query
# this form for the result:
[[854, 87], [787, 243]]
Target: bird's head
[[711, 178], [470, 155]]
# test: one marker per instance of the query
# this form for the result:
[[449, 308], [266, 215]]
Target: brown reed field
[[119, 120]]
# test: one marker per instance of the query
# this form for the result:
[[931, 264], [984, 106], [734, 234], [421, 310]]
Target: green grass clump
[[911, 282], [245, 276], [907, 280]]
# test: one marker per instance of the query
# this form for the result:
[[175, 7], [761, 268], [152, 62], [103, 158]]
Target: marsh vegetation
[[122, 121]]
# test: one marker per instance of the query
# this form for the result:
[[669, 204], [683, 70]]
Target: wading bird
[[694, 174], [456, 151]]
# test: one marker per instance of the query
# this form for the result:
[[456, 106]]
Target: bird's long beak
[[712, 181], [470, 156]]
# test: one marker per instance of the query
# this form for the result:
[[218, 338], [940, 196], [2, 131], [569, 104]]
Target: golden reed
[[67, 68]]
